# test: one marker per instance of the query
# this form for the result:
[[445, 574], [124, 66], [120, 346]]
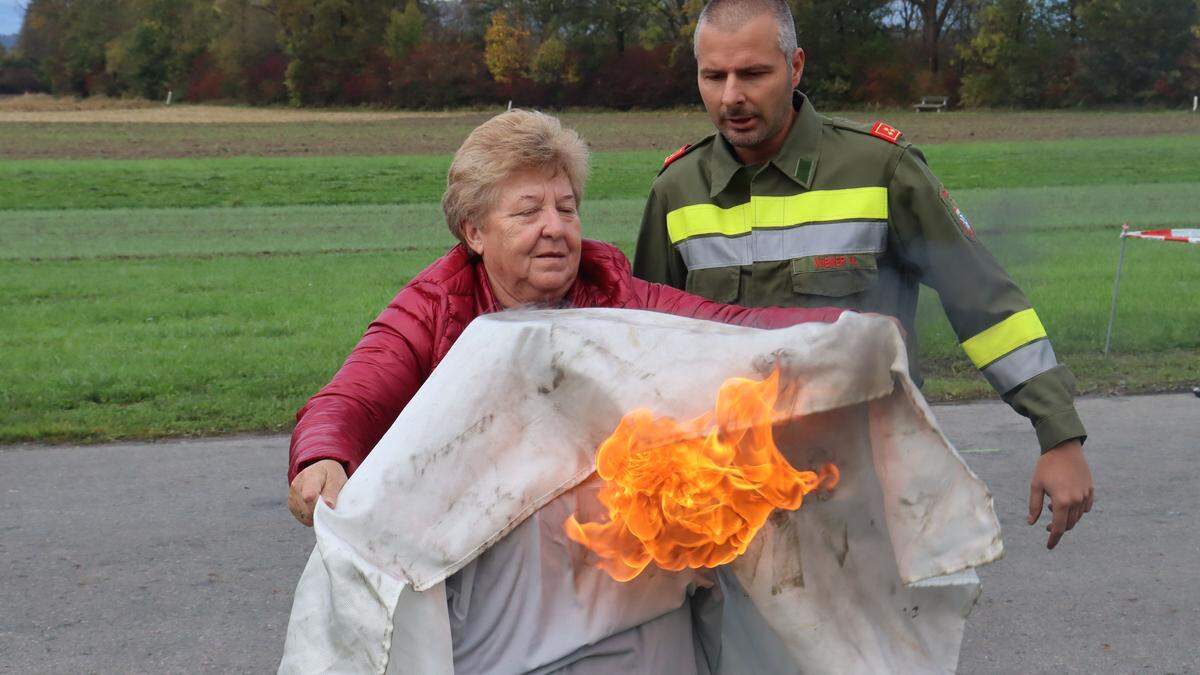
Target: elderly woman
[[512, 199]]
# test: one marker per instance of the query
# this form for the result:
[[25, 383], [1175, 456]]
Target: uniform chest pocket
[[720, 284], [834, 276]]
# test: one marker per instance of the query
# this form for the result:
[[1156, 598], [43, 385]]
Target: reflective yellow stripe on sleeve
[[818, 206], [1015, 331]]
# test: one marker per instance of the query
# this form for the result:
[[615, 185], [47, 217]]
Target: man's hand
[[1062, 474], [323, 479]]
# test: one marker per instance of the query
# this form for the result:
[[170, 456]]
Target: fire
[[693, 494]]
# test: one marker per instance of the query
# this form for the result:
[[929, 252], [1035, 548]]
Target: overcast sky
[[11, 12]]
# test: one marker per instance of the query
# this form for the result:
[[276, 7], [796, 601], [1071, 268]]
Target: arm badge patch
[[957, 214]]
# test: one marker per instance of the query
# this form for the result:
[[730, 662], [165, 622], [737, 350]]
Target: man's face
[[746, 84]]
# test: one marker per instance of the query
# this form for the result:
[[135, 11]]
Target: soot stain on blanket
[[587, 343], [763, 364], [845, 547], [790, 566], [925, 503], [478, 427], [596, 346], [559, 376]]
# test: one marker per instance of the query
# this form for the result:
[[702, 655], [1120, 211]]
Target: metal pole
[[1112, 312]]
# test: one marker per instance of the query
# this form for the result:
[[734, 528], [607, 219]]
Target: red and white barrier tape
[[1181, 235]]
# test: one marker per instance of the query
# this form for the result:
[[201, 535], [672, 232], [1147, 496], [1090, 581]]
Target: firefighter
[[784, 206]]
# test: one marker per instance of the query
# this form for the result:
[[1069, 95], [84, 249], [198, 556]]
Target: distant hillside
[[9, 41]]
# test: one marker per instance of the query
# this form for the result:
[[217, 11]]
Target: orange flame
[[694, 493]]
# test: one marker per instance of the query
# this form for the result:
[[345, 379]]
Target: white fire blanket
[[876, 578]]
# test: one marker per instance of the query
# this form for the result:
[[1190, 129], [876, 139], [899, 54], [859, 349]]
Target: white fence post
[[1112, 312]]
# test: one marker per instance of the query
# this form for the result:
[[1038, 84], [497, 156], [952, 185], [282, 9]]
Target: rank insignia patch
[[957, 214], [886, 131]]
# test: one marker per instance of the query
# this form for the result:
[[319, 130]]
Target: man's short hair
[[733, 14]]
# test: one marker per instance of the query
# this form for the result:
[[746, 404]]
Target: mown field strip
[[139, 233], [417, 179], [1061, 247]]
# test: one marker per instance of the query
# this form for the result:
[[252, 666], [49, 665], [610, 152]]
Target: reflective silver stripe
[[1020, 365], [784, 244]]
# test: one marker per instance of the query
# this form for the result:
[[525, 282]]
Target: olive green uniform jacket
[[850, 216]]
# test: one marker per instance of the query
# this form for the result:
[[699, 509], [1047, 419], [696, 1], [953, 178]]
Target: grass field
[[35, 128], [196, 293], [419, 179]]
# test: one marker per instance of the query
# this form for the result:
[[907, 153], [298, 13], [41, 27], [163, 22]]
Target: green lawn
[[420, 179], [100, 349], [144, 321], [211, 231]]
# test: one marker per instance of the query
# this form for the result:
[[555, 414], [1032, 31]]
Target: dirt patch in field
[[43, 109], [955, 127], [30, 104], [151, 130]]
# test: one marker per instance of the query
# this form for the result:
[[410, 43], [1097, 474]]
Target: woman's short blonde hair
[[509, 142]]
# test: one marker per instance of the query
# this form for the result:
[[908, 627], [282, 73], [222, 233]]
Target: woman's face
[[530, 239]]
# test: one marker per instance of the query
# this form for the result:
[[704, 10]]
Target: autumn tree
[[550, 64], [330, 43], [676, 19], [68, 38], [541, 18], [43, 39], [404, 30], [1020, 55], [506, 47], [622, 19], [845, 43], [140, 59], [1132, 51], [624, 53], [244, 38], [156, 54], [1190, 63], [933, 16], [17, 74]]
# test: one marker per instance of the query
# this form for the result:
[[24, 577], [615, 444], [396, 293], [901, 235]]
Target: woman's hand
[[323, 479]]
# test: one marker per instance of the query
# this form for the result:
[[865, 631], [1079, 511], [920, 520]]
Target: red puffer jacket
[[404, 344]]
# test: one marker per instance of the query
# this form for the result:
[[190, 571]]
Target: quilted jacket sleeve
[[663, 298], [349, 415]]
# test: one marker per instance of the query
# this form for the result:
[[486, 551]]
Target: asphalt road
[[181, 556]]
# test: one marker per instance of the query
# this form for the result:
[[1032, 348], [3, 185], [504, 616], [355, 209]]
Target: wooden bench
[[934, 103]]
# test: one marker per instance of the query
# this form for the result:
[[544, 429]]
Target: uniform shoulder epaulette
[[881, 130], [681, 152], [676, 155]]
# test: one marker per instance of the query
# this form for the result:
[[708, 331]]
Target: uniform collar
[[797, 159]]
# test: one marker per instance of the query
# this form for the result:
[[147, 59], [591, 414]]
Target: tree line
[[610, 53]]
